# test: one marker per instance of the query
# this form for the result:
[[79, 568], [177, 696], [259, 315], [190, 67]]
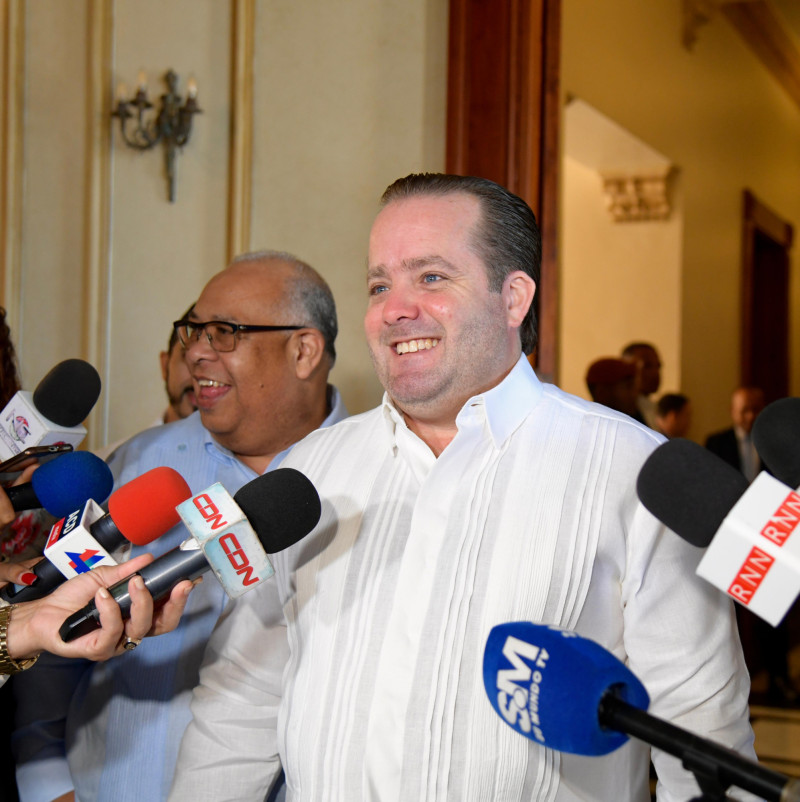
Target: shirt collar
[[507, 404], [504, 406]]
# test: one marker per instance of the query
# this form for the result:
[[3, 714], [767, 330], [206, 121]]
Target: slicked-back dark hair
[[506, 238]]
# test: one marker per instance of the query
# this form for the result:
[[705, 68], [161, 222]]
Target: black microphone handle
[[105, 532], [160, 577], [722, 766], [23, 497]]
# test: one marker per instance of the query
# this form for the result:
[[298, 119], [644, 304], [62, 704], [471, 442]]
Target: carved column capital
[[635, 197]]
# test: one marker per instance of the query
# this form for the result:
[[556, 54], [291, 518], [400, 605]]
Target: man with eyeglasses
[[259, 344]]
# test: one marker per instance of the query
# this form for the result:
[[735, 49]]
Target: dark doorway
[[765, 299]]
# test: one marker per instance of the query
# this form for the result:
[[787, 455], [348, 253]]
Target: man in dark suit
[[764, 646], [734, 444]]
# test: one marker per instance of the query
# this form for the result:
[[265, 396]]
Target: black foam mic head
[[689, 489], [776, 436], [281, 505], [68, 392]]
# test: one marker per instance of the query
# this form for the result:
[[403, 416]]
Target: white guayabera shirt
[[360, 668]]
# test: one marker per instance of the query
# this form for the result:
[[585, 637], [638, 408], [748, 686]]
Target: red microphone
[[139, 512]]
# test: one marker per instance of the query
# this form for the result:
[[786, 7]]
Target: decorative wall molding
[[11, 158], [241, 146], [97, 205], [636, 197]]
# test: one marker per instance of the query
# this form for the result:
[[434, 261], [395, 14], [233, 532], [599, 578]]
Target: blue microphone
[[64, 484], [548, 683], [568, 693]]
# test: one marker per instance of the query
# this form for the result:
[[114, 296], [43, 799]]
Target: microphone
[[54, 412], [747, 530], [63, 484], [230, 536], [139, 512], [568, 693], [776, 436]]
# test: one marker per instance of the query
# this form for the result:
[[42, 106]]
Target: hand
[[34, 625], [7, 512], [18, 573]]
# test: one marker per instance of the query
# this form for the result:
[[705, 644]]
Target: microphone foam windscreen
[[547, 683], [68, 392], [67, 482], [144, 508], [282, 507], [776, 436], [689, 489]]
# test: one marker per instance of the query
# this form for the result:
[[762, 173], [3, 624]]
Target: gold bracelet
[[7, 664]]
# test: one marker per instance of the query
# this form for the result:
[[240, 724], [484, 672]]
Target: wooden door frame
[[755, 217], [504, 125]]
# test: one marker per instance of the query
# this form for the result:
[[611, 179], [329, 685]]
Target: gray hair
[[308, 295], [506, 238]]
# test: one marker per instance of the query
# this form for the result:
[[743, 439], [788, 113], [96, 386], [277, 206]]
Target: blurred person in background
[[613, 383], [673, 415], [646, 358]]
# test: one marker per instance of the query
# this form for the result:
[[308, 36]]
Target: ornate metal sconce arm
[[172, 125]]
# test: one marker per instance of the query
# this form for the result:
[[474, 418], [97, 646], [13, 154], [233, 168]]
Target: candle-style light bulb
[[142, 81], [191, 88], [122, 93]]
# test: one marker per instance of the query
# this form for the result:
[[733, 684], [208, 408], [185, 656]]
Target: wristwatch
[[7, 664]]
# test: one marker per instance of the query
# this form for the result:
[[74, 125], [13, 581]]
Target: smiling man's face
[[246, 395], [436, 333]]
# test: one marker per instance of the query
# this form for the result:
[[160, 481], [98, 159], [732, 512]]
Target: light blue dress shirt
[[112, 730]]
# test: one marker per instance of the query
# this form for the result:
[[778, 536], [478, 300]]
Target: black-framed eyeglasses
[[220, 334]]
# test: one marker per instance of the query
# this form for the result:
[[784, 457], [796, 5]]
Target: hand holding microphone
[[7, 511], [58, 486], [139, 511], [230, 536], [33, 626], [62, 484]]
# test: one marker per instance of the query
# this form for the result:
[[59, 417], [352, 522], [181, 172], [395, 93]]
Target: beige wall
[[345, 98], [726, 125], [348, 97], [620, 282]]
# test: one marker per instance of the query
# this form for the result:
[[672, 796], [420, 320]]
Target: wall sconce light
[[172, 125]]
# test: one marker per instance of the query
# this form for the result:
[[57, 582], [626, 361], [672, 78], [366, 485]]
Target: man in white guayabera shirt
[[474, 495]]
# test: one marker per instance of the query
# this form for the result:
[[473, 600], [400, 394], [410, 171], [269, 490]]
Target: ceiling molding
[[759, 24], [762, 28]]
